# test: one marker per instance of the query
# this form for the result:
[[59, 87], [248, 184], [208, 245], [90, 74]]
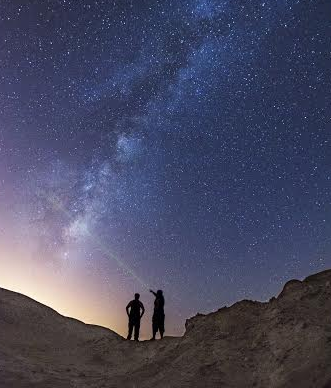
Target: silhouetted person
[[134, 316], [158, 315]]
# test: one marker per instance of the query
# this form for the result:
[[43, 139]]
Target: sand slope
[[283, 343]]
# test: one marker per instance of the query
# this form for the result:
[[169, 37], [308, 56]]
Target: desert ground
[[283, 343]]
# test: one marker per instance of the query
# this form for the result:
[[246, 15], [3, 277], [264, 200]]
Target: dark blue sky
[[165, 144]]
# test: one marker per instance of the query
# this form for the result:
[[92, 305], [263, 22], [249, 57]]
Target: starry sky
[[181, 145]]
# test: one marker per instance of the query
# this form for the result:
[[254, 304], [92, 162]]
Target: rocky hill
[[283, 343]]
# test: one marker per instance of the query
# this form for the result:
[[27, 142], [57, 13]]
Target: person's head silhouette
[[136, 296]]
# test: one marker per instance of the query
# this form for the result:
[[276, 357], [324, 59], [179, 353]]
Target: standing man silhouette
[[135, 316], [158, 315]]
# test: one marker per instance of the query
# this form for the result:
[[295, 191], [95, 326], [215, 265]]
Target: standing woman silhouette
[[158, 315]]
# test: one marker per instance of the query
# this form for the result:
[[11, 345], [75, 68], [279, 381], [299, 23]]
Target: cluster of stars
[[190, 138]]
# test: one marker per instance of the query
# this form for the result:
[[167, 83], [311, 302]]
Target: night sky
[[181, 145]]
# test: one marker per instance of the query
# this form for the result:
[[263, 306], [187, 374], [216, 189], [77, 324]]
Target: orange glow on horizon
[[70, 298]]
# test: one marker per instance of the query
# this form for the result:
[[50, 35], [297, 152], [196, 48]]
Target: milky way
[[164, 144]]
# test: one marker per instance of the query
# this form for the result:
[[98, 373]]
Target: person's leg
[[136, 331], [161, 326], [130, 330], [154, 329]]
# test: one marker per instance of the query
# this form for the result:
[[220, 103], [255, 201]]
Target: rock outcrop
[[285, 342]]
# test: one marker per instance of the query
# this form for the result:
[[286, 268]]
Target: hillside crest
[[285, 342]]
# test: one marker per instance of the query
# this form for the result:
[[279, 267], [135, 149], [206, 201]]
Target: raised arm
[[154, 293]]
